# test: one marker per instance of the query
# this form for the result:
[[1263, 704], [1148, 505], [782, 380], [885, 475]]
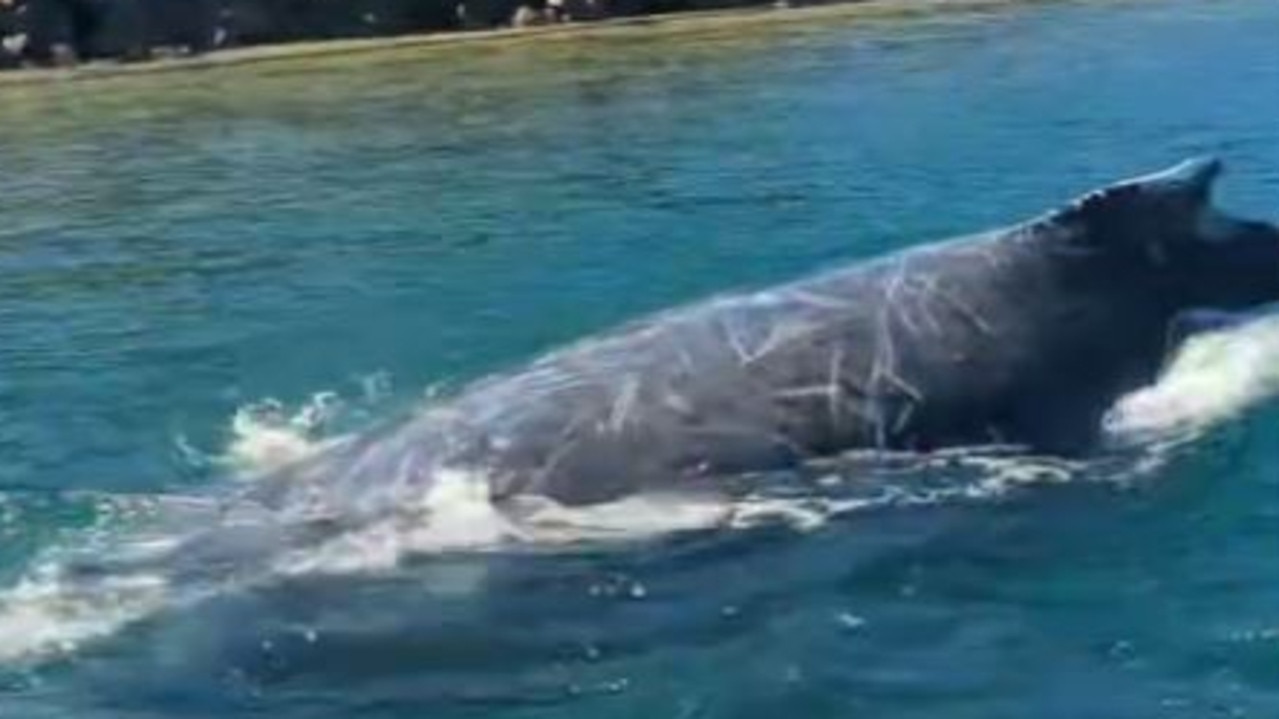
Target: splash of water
[[1212, 378], [266, 436], [50, 610], [46, 613]]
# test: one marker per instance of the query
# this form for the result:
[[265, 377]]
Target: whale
[[1021, 336]]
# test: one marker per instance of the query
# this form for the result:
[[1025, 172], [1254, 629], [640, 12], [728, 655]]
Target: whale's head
[[1163, 232]]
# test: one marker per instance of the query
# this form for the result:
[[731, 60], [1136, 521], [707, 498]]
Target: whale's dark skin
[[1021, 336]]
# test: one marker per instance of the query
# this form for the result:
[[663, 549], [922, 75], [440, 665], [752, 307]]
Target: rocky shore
[[61, 33]]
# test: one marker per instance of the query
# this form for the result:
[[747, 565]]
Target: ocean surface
[[206, 276]]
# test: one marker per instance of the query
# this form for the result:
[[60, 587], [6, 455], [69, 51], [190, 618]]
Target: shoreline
[[676, 22]]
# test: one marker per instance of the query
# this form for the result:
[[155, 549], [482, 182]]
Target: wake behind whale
[[860, 389]]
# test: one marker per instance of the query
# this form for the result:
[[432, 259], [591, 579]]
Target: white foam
[[46, 614], [968, 474], [266, 436], [1212, 378], [455, 514], [52, 609], [633, 518], [49, 612]]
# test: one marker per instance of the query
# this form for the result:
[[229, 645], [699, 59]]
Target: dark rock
[[581, 10], [252, 22], [62, 30], [529, 16], [114, 29], [12, 37], [67, 30], [193, 25], [48, 24], [486, 14]]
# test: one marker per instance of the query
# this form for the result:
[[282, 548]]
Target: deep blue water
[[174, 249]]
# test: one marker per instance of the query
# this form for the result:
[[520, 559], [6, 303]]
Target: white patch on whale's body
[[1211, 378]]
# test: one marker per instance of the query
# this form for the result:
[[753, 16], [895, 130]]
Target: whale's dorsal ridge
[[1193, 177], [1187, 184]]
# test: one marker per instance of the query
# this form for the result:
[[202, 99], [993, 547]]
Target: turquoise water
[[175, 251]]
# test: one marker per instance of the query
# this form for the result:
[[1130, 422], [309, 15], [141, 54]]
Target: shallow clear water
[[175, 249]]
